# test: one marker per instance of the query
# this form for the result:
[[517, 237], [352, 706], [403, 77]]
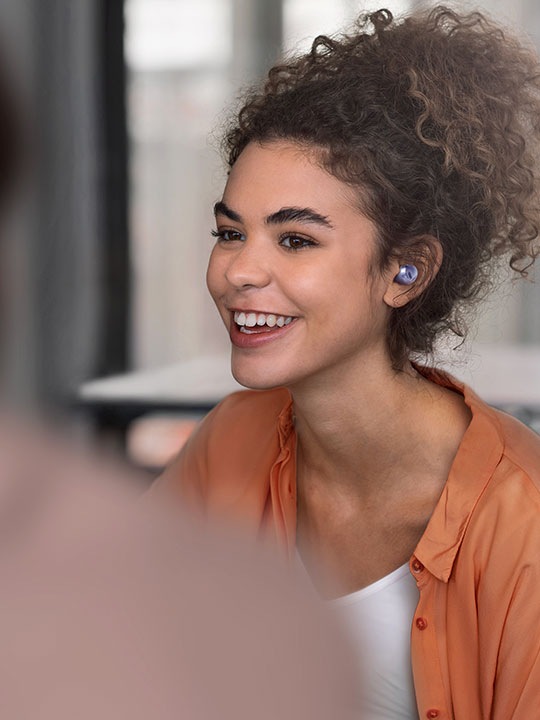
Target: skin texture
[[253, 268], [436, 118], [375, 445]]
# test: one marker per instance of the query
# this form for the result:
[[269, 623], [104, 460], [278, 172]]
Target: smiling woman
[[296, 253], [374, 183]]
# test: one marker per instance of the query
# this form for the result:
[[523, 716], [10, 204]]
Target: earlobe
[[398, 294]]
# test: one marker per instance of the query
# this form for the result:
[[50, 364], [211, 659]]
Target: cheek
[[215, 275], [358, 279], [335, 284]]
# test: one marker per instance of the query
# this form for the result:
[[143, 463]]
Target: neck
[[375, 428]]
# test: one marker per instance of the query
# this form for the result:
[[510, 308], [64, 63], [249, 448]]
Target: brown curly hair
[[435, 119]]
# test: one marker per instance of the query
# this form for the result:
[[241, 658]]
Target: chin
[[257, 378], [256, 383]]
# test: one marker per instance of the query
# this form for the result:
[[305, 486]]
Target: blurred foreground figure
[[109, 611], [112, 611]]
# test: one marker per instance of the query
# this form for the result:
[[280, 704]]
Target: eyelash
[[222, 235], [306, 242]]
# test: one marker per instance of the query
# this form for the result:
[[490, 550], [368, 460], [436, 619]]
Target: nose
[[248, 267]]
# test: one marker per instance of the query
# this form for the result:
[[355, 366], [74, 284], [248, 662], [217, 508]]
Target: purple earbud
[[407, 275]]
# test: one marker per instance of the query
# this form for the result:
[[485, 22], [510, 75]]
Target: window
[[178, 55]]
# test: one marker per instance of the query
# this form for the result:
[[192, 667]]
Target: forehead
[[277, 174]]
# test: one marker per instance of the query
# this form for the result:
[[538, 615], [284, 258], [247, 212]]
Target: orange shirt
[[475, 642]]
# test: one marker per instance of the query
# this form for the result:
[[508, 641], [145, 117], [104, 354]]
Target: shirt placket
[[428, 650]]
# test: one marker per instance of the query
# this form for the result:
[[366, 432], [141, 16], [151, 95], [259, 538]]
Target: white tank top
[[378, 619]]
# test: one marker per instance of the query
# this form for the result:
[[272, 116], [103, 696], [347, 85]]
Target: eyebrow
[[285, 214], [221, 208], [303, 215]]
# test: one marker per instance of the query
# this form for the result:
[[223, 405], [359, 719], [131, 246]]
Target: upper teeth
[[252, 319]]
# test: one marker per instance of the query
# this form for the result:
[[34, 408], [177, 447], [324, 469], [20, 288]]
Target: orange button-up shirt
[[475, 641]]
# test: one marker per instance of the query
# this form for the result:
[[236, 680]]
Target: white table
[[501, 374], [198, 383], [507, 376]]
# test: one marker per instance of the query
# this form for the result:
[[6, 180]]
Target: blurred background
[[106, 252]]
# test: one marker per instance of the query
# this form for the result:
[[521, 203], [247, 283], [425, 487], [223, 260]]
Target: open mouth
[[252, 323]]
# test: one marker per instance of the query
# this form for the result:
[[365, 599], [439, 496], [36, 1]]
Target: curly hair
[[435, 119]]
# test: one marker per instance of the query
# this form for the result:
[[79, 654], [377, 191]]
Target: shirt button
[[432, 714], [417, 565], [421, 624]]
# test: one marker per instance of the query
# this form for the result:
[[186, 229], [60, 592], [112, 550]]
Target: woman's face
[[290, 271]]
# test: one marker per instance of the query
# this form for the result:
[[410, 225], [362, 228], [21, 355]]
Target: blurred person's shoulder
[[115, 609], [44, 470]]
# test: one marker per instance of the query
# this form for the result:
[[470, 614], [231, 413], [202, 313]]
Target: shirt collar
[[477, 457], [286, 423]]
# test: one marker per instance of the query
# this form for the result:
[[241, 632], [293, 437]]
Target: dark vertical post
[[115, 319], [63, 253]]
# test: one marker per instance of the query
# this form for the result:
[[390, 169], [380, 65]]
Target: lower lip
[[258, 338]]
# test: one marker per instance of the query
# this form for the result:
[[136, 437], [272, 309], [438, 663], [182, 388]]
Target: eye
[[227, 235], [295, 242]]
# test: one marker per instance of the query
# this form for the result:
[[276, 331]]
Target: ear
[[426, 254]]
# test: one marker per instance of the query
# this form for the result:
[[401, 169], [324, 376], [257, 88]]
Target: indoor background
[[106, 252]]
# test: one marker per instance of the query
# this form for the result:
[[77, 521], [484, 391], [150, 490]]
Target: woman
[[373, 184]]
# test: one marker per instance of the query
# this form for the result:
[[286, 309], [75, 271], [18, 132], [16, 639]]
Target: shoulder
[[494, 590], [493, 548], [506, 519], [253, 412], [490, 506], [521, 447], [515, 481], [244, 429], [234, 446], [497, 450]]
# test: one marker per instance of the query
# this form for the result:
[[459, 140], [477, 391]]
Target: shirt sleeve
[[517, 683], [509, 598]]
